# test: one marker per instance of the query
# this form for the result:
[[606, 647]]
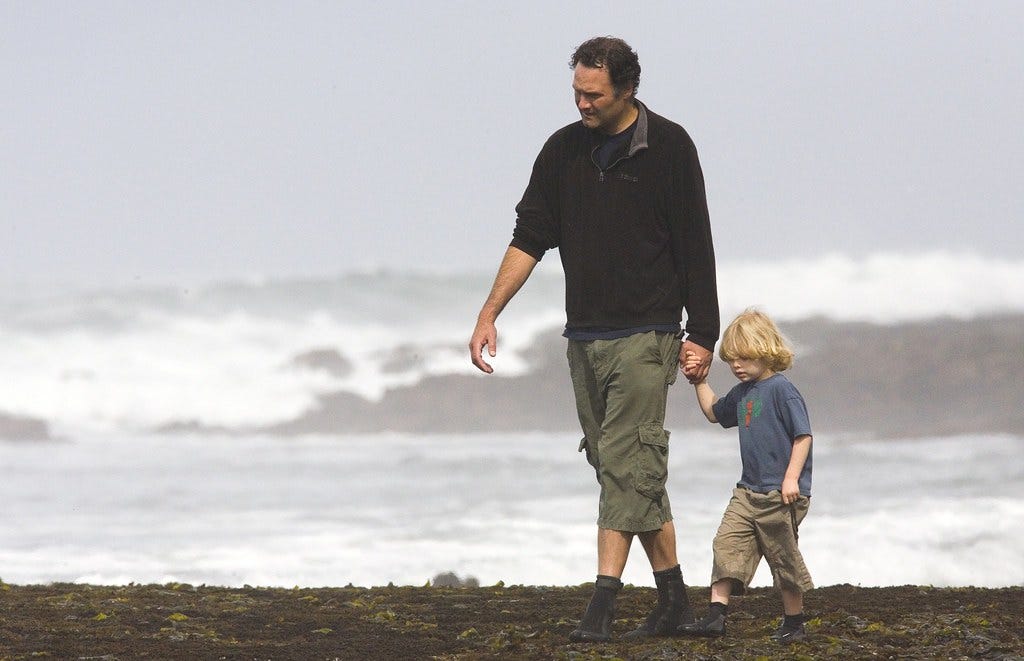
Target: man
[[621, 195]]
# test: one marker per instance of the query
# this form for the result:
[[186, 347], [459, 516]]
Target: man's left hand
[[695, 373]]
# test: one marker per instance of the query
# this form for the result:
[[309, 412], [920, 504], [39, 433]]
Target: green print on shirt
[[750, 409]]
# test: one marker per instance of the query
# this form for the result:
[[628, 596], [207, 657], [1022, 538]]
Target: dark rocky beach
[[72, 621]]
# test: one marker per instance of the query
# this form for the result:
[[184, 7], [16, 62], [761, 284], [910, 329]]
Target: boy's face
[[749, 369]]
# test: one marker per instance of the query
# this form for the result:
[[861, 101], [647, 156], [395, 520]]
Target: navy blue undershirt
[[612, 144]]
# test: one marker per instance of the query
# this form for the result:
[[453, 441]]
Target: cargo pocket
[[652, 461], [585, 447]]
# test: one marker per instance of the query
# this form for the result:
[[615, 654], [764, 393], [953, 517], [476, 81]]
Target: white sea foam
[[223, 355], [382, 508], [885, 288]]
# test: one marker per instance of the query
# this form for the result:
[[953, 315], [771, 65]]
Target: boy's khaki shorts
[[756, 525], [621, 386]]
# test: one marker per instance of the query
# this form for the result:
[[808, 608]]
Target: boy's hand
[[790, 491], [692, 364]]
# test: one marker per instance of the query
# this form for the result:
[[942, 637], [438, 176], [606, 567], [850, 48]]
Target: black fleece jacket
[[635, 238]]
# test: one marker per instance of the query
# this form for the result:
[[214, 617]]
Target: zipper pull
[[601, 176]]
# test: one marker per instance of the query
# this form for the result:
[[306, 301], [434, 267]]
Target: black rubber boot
[[596, 626], [673, 609]]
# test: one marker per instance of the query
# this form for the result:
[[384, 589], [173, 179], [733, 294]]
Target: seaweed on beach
[[177, 621]]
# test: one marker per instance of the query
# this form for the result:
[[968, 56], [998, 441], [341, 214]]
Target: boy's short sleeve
[[725, 409], [795, 417]]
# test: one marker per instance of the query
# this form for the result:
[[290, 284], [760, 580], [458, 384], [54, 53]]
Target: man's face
[[599, 107]]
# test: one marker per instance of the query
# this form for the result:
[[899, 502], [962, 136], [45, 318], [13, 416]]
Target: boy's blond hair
[[753, 335]]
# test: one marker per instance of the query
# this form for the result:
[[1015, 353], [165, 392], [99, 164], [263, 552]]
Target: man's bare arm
[[515, 268]]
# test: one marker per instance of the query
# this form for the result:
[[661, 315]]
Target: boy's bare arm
[[706, 398], [705, 395], [797, 458]]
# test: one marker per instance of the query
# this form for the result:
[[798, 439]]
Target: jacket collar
[[639, 140]]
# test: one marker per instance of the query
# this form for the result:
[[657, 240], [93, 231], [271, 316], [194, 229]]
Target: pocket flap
[[654, 435]]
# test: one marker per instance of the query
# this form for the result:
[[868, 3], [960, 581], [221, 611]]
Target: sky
[[193, 141]]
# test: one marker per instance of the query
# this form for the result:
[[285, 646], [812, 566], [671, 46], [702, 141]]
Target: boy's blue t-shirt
[[769, 414]]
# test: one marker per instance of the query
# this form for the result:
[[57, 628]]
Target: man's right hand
[[515, 268], [484, 335]]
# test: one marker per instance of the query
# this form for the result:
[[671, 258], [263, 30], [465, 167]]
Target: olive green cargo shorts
[[756, 525], [621, 386]]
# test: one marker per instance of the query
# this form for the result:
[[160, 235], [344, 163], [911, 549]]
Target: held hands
[[692, 362], [695, 361]]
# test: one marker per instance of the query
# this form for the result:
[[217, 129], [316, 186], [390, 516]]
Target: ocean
[[115, 497]]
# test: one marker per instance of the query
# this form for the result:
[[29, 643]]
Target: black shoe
[[673, 607], [712, 626], [787, 635]]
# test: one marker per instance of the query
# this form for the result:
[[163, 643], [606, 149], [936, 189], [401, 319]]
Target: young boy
[[773, 494]]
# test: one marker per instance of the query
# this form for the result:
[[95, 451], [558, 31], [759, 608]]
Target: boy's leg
[[778, 528], [736, 556], [737, 550], [713, 624], [721, 591], [792, 601], [792, 628]]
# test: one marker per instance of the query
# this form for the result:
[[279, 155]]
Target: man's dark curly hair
[[613, 54]]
